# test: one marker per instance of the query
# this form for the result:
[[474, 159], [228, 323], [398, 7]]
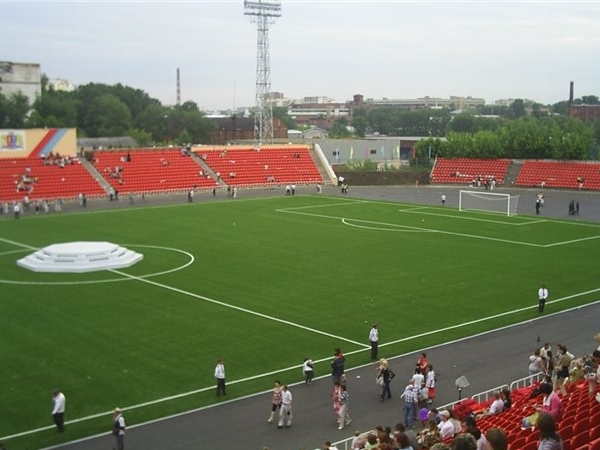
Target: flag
[[351, 152]]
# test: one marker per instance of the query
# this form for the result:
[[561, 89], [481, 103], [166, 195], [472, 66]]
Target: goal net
[[488, 202]]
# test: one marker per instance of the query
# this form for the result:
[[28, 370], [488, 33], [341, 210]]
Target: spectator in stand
[[464, 441], [546, 354], [471, 427], [536, 363], [455, 422], [597, 339], [439, 446], [429, 435], [549, 438], [496, 407], [593, 378], [537, 391], [412, 437], [446, 427], [551, 403], [496, 439], [561, 368], [506, 400], [402, 442]]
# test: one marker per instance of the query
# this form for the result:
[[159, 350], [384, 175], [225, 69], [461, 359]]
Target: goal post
[[488, 202]]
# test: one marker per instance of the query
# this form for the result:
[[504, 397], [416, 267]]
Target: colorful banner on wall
[[12, 140]]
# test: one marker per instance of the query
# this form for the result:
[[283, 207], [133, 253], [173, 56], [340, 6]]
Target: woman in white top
[[536, 363]]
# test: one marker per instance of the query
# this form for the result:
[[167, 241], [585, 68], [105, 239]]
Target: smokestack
[[571, 92]]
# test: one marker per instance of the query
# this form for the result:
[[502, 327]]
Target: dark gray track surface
[[488, 360]]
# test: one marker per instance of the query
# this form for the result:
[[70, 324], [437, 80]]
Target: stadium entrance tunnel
[[80, 257]]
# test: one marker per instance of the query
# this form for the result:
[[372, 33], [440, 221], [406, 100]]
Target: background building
[[20, 77]]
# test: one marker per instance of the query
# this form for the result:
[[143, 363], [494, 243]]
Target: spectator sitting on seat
[[593, 377], [497, 439], [231, 174], [464, 441], [506, 400], [549, 439], [446, 427], [429, 435], [471, 427], [551, 403], [496, 407]]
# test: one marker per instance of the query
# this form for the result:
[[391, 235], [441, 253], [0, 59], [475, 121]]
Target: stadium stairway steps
[[207, 169], [94, 173], [512, 173]]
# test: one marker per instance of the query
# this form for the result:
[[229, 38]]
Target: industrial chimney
[[571, 93]]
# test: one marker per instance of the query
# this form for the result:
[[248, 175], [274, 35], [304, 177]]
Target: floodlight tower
[[262, 13]]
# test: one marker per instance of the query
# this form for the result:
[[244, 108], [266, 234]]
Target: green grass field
[[262, 283]]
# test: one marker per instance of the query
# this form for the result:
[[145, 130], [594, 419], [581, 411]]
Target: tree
[[516, 110], [54, 109], [281, 113], [339, 129], [13, 110], [107, 116]]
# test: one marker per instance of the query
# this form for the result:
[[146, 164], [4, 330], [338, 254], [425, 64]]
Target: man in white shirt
[[220, 377], [542, 296], [496, 407], [374, 340], [285, 412], [446, 427], [58, 412], [119, 428]]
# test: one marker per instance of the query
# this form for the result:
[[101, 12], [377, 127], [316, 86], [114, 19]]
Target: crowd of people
[[455, 429]]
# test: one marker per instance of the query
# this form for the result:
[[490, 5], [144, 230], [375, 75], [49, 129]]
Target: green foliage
[[281, 113], [13, 110], [339, 130]]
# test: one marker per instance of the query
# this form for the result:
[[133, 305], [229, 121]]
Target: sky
[[330, 48]]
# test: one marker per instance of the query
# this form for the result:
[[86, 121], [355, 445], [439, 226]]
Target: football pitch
[[262, 283]]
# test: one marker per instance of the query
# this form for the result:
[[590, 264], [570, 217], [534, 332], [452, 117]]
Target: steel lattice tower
[[262, 13]]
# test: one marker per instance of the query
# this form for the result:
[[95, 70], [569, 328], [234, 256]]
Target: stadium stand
[[469, 170], [557, 174], [579, 427], [150, 170], [45, 178], [274, 165]]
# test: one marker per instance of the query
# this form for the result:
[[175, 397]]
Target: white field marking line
[[495, 316], [571, 241], [18, 244], [114, 280], [399, 228], [430, 230], [476, 219], [357, 202], [12, 252], [451, 233], [444, 344], [185, 394], [237, 308]]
